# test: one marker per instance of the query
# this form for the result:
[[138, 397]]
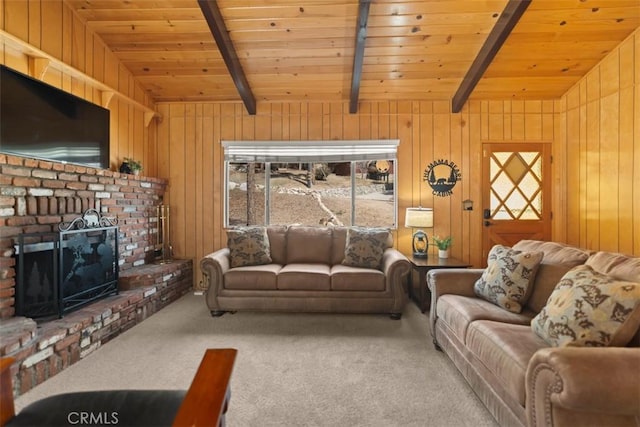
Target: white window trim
[[331, 151], [309, 151]]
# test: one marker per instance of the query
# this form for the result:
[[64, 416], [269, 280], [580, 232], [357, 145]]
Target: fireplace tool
[[163, 243]]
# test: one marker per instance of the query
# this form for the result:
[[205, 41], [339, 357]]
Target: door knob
[[487, 223]]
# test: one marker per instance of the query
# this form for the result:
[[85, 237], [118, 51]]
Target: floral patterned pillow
[[365, 247], [248, 246], [508, 277], [588, 308]]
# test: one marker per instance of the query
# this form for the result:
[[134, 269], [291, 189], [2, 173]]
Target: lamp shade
[[419, 218]]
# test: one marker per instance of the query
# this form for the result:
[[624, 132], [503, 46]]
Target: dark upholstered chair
[[204, 404]]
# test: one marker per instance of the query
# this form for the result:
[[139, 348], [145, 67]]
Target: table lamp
[[419, 218]]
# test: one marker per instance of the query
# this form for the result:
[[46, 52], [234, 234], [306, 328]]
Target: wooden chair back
[[205, 403]]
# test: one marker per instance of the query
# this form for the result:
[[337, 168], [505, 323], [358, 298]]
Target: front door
[[516, 193]]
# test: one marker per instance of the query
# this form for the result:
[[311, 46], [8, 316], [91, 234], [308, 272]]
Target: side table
[[418, 290]]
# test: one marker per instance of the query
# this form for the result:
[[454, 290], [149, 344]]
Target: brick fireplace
[[35, 196]]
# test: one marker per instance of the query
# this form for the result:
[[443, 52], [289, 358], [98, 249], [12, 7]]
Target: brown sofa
[[520, 378], [306, 275]]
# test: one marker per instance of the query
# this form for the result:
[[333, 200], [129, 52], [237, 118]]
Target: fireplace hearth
[[58, 272]]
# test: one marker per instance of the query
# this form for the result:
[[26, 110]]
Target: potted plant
[[131, 166], [443, 244]]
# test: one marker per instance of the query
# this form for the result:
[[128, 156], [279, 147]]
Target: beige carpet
[[292, 369]]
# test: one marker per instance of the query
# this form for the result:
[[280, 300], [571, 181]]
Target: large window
[[311, 183]]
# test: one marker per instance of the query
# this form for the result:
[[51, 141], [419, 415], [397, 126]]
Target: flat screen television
[[40, 121]]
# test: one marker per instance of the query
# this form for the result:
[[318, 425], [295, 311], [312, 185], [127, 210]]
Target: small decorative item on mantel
[[130, 165], [443, 245]]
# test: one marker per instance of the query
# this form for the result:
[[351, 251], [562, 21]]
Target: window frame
[[307, 152]]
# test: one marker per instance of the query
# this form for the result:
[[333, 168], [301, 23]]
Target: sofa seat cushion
[[262, 277], [345, 278], [504, 350], [457, 312], [305, 277]]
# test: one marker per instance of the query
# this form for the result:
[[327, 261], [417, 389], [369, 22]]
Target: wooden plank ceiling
[[304, 50]]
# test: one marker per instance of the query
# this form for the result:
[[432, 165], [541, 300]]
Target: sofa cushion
[[305, 277], [365, 247], [248, 246], [308, 245], [262, 277], [547, 278], [588, 308], [554, 252], [459, 311], [345, 278], [504, 350], [278, 243], [338, 245], [557, 261], [508, 277], [618, 266]]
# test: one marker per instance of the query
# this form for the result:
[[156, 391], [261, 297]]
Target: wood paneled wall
[[594, 129], [190, 156], [53, 27], [600, 123]]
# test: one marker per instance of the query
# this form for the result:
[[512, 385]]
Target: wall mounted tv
[[38, 120]]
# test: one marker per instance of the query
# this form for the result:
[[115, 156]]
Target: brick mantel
[[36, 195]]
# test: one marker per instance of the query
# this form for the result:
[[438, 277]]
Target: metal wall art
[[442, 176]]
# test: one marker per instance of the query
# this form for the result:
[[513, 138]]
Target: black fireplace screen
[[37, 275], [89, 265], [60, 272]]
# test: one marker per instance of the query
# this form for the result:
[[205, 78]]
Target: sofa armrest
[[583, 386], [458, 281], [213, 267], [395, 267]]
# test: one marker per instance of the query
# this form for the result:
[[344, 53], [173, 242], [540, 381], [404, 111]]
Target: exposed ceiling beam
[[501, 30], [221, 35], [358, 58]]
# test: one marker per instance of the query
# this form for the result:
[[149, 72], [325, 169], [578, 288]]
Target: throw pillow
[[248, 246], [508, 276], [588, 308], [365, 247]]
